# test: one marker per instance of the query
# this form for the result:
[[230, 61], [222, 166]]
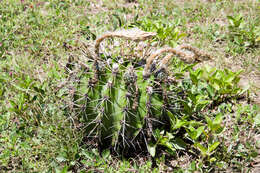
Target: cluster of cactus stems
[[123, 99]]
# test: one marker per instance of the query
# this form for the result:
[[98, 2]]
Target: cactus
[[123, 100]]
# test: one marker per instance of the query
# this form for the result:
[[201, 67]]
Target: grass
[[39, 129]]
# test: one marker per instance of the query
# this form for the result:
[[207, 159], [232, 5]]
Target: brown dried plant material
[[150, 59], [175, 51], [199, 54], [134, 34], [164, 62]]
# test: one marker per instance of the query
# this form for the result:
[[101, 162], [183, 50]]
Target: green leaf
[[12, 103], [152, 149], [218, 119], [213, 159], [257, 119], [193, 166], [209, 122], [181, 35], [199, 131], [179, 144], [215, 125], [216, 86], [217, 128], [88, 155], [214, 146], [63, 170], [202, 149], [165, 142], [229, 78], [194, 78], [105, 154], [211, 91], [180, 123], [201, 104], [195, 133], [171, 116], [157, 134], [169, 135], [192, 132], [61, 159], [231, 20]]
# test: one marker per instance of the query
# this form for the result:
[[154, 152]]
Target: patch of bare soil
[[254, 82]]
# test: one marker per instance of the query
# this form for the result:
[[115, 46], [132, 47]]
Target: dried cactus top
[[134, 34], [175, 51]]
